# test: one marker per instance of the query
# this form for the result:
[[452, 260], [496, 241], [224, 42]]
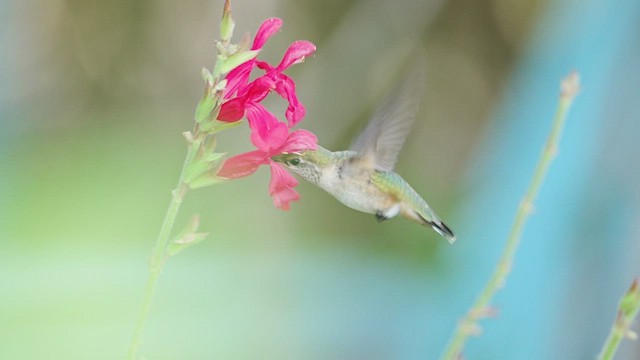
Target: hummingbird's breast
[[355, 190]]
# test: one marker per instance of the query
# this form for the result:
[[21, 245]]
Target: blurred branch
[[468, 326], [627, 311]]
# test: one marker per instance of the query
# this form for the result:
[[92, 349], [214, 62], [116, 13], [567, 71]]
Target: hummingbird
[[362, 177]]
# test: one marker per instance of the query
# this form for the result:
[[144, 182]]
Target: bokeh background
[[94, 96]]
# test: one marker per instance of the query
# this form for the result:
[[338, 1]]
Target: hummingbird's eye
[[294, 162]]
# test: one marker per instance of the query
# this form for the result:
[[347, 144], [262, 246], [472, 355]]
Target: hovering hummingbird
[[362, 178]]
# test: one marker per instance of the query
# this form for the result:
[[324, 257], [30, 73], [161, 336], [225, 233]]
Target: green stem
[[612, 343], [159, 253], [468, 325], [627, 311], [206, 111]]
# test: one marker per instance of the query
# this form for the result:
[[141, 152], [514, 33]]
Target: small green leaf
[[218, 126], [187, 237], [195, 170], [188, 136], [236, 60], [213, 157], [200, 172], [185, 242], [191, 227], [206, 179], [205, 107], [221, 85], [206, 75], [208, 146]]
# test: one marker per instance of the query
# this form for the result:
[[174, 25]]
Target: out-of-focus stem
[[159, 253], [627, 311], [206, 112], [468, 325]]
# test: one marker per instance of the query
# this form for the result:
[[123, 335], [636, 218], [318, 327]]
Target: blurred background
[[94, 97]]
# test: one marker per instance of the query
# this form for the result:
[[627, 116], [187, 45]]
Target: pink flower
[[239, 76], [241, 94], [270, 136], [247, 163], [284, 85], [281, 187]]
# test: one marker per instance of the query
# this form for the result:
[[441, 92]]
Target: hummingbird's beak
[[279, 158]]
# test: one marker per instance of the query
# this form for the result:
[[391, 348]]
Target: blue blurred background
[[95, 95]]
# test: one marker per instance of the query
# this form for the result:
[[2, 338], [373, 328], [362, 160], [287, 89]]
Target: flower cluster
[[269, 135]]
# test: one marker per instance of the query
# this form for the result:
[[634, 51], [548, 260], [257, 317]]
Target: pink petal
[[259, 89], [299, 140], [264, 66], [296, 53], [232, 110], [238, 78], [286, 87], [267, 133], [266, 30], [256, 91], [242, 165], [281, 187]]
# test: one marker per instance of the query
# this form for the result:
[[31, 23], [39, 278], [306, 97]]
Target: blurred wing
[[381, 141]]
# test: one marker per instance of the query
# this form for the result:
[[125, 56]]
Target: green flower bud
[[227, 24]]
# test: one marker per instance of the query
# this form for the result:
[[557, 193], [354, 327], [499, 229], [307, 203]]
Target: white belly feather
[[356, 193]]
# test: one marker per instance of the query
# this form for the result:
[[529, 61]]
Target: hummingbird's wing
[[381, 141]]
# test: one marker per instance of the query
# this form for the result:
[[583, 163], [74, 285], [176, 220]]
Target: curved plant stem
[[159, 253], [468, 325], [627, 311]]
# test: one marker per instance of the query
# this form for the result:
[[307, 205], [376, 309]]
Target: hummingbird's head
[[308, 164]]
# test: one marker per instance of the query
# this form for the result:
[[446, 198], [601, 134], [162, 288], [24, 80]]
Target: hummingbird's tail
[[442, 229], [439, 226]]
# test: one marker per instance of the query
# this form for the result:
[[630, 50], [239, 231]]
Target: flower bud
[[227, 24]]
